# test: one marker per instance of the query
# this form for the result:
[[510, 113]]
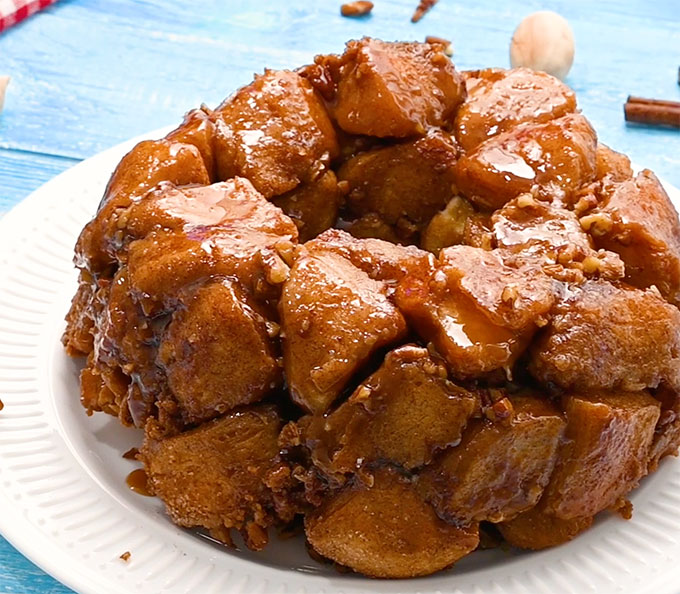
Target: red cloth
[[15, 11]]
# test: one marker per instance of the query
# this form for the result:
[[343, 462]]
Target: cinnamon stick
[[664, 102], [652, 112]]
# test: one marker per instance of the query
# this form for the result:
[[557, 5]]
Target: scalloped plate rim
[[49, 553]]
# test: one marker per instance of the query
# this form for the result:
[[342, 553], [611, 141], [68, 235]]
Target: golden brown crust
[[226, 229], [381, 260], [374, 82], [275, 379], [78, 338], [498, 100], [147, 164], [198, 130], [275, 132], [217, 352], [667, 431], [212, 476], [604, 455], [536, 530], [479, 313], [612, 166], [500, 468], [608, 443], [403, 413], [552, 236], [636, 219], [557, 157], [604, 336], [386, 530], [447, 227], [384, 181], [333, 317], [313, 206]]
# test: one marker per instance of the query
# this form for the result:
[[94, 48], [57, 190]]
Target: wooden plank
[[19, 576], [21, 173], [88, 75]]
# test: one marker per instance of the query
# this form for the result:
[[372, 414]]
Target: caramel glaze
[[189, 290], [556, 157], [500, 99], [138, 482], [202, 235]]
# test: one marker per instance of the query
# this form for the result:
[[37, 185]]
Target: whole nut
[[543, 41]]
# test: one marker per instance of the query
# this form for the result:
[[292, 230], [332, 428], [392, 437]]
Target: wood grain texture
[[87, 74], [22, 172], [19, 576]]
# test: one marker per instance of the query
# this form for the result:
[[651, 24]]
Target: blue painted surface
[[87, 74]]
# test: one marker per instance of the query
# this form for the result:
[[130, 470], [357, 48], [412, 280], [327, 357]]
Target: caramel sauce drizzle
[[139, 482]]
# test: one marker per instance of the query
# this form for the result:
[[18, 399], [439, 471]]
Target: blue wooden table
[[87, 74]]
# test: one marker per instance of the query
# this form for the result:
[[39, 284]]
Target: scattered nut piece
[[543, 41], [356, 9], [363, 393], [654, 289], [585, 203], [343, 187], [131, 454], [422, 9], [290, 435], [502, 409], [277, 272], [122, 221], [287, 250], [273, 329], [366, 477], [439, 60], [305, 326], [277, 477], [439, 281], [591, 265], [541, 322], [445, 43], [509, 294], [566, 254], [525, 200], [126, 556], [666, 418], [623, 507], [430, 367], [4, 81], [598, 224]]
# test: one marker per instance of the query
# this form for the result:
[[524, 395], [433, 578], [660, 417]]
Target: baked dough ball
[[557, 157], [375, 82], [386, 530], [605, 336]]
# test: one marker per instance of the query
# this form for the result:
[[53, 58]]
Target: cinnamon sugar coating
[[388, 301]]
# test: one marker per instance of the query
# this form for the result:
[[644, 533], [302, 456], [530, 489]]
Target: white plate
[[64, 502]]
